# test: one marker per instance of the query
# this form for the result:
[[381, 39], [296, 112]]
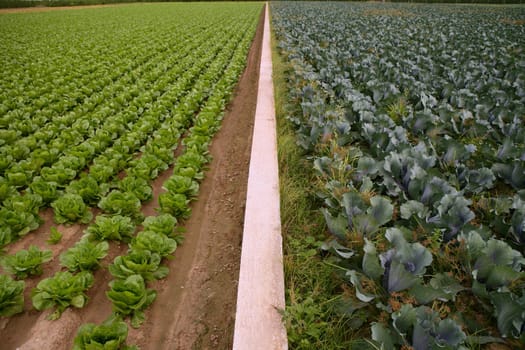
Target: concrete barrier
[[260, 296]]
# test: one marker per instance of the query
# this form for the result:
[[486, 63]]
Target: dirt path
[[195, 306]]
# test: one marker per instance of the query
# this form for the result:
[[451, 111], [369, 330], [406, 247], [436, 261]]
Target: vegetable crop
[[11, 296], [108, 335], [413, 117], [84, 255], [25, 263], [88, 121], [130, 297], [61, 291]]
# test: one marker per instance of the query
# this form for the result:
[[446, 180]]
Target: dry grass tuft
[[518, 22]]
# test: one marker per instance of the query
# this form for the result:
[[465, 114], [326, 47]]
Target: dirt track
[[195, 306]]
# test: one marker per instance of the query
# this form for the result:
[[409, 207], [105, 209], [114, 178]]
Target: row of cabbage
[[414, 119], [112, 146]]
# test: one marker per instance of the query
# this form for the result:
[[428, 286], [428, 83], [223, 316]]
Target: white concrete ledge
[[260, 296]]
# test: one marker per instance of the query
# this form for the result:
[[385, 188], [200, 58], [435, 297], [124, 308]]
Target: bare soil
[[195, 305]]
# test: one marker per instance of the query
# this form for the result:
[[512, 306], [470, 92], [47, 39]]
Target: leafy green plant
[[140, 187], [175, 204], [154, 242], [55, 236], [25, 263], [89, 189], [138, 262], [163, 223], [17, 176], [116, 227], [121, 203], [181, 185], [11, 296], [18, 223], [509, 311], [71, 208], [61, 291], [192, 158], [110, 335], [46, 189], [420, 327], [310, 330], [6, 189], [58, 174], [28, 202], [130, 297], [5, 236], [84, 255]]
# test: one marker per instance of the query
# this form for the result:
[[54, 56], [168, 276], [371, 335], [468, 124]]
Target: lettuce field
[[413, 117], [95, 105]]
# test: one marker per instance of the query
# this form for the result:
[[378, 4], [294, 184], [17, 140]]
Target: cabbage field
[[413, 117], [95, 104]]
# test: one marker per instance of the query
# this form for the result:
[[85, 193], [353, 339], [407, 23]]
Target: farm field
[[106, 121], [412, 118]]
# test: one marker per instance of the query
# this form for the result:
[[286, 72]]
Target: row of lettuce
[[124, 131], [414, 118]]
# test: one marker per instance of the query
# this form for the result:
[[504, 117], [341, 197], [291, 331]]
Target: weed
[[54, 236]]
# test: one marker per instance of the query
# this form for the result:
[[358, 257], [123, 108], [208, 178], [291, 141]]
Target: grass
[[313, 291]]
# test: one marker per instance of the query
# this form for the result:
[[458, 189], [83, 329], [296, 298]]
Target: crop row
[[110, 150], [414, 118]]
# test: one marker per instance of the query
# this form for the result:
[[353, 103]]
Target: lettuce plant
[[121, 203], [6, 189], [71, 208], [18, 177], [5, 236], [28, 202], [101, 172], [84, 255], [6, 160], [140, 187], [178, 184], [174, 204], [190, 172], [89, 189], [46, 189], [26, 263], [130, 297], [117, 227], [61, 291], [19, 223], [138, 262], [147, 167], [11, 296], [110, 335], [163, 223], [58, 174], [192, 158], [154, 242], [162, 152]]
